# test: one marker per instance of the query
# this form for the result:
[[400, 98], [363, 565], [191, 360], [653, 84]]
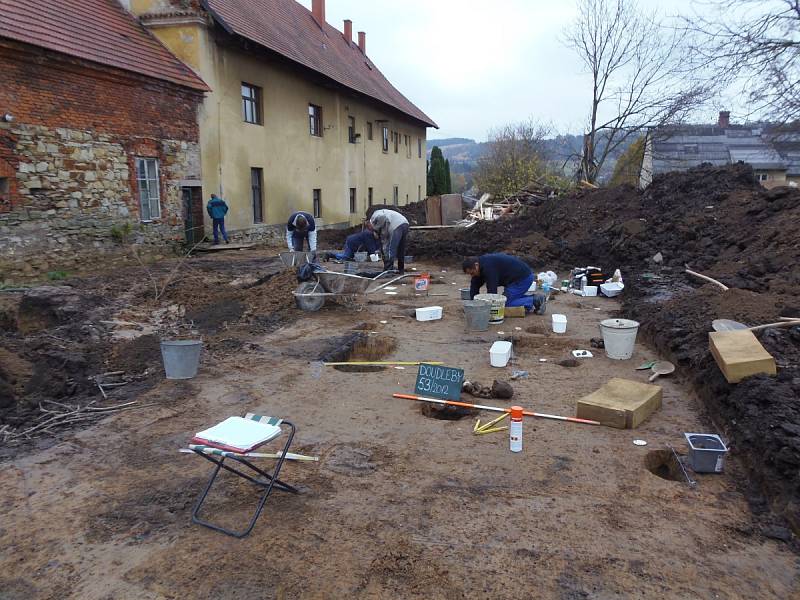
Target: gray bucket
[[464, 293], [706, 452], [477, 314], [181, 358]]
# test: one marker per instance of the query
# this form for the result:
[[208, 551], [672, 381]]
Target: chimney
[[724, 119], [318, 11], [362, 41], [348, 31]]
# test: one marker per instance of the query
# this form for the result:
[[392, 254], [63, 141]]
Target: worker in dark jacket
[[364, 241], [217, 209], [301, 227], [515, 276]]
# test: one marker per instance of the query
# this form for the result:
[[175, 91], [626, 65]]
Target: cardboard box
[[514, 312], [739, 354], [621, 403]]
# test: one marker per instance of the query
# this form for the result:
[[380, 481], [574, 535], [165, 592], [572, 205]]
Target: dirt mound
[[413, 211]]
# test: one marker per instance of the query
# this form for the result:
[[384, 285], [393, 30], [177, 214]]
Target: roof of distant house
[[101, 31], [684, 147], [289, 29]]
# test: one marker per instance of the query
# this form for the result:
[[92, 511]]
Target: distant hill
[[563, 151]]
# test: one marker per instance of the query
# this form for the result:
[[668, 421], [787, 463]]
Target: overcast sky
[[474, 64]]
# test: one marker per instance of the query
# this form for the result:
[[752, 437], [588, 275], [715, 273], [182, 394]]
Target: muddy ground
[[399, 505], [721, 222]]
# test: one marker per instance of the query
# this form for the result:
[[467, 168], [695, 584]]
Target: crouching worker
[[364, 241], [300, 228], [392, 229], [516, 277]]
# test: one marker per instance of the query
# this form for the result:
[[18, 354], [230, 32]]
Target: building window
[[762, 177], [396, 141], [149, 194], [406, 198], [408, 146], [5, 187], [351, 129], [257, 194], [251, 104], [369, 130], [353, 201], [317, 204], [369, 196], [385, 139], [419, 193], [315, 120], [396, 198], [419, 147]]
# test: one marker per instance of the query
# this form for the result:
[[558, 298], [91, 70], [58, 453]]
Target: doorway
[[193, 226]]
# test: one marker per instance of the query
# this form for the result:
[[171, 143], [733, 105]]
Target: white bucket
[[500, 353], [559, 323], [619, 337], [498, 302]]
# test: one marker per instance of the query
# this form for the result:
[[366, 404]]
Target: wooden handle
[[724, 287], [653, 376], [779, 324]]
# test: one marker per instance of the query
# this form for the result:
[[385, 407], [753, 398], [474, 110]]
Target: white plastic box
[[500, 354], [429, 313], [590, 290], [559, 323]]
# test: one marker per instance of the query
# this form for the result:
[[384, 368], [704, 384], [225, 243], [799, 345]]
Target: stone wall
[[76, 196], [68, 160]]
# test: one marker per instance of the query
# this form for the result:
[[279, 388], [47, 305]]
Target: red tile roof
[[288, 28], [101, 31]]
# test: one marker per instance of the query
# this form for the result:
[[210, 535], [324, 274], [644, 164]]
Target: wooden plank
[[452, 209], [739, 354], [433, 210], [621, 403]]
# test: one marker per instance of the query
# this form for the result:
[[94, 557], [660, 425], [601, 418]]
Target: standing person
[[392, 230], [299, 228], [515, 276], [217, 209]]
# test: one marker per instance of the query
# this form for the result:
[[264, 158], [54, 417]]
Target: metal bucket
[[464, 293], [619, 337], [498, 303], [477, 314], [181, 358]]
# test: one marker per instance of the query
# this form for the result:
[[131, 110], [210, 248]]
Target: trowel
[[662, 367]]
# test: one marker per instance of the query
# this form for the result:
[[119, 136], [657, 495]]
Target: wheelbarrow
[[344, 287]]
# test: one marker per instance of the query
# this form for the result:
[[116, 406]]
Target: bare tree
[[639, 79], [515, 157], [753, 45]]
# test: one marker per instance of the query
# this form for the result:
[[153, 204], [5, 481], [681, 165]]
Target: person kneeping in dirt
[[392, 230], [301, 227], [516, 277]]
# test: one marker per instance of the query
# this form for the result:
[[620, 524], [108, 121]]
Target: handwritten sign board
[[437, 381]]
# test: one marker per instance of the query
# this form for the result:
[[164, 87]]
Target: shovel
[[728, 325], [662, 367]]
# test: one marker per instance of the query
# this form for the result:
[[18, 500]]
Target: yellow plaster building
[[299, 118]]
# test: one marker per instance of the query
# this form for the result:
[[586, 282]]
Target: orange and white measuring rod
[[495, 409]]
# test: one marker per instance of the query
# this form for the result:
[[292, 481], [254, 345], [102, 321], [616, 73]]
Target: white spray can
[[515, 429]]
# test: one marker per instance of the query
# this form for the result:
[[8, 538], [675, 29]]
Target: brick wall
[[69, 160]]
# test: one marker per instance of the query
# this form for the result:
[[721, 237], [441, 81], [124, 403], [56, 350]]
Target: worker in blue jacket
[[299, 228], [515, 276], [364, 241], [217, 209]]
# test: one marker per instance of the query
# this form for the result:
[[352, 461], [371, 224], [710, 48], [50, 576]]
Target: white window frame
[[149, 189]]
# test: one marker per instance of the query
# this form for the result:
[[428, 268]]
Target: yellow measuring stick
[[491, 423], [386, 362], [483, 431]]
